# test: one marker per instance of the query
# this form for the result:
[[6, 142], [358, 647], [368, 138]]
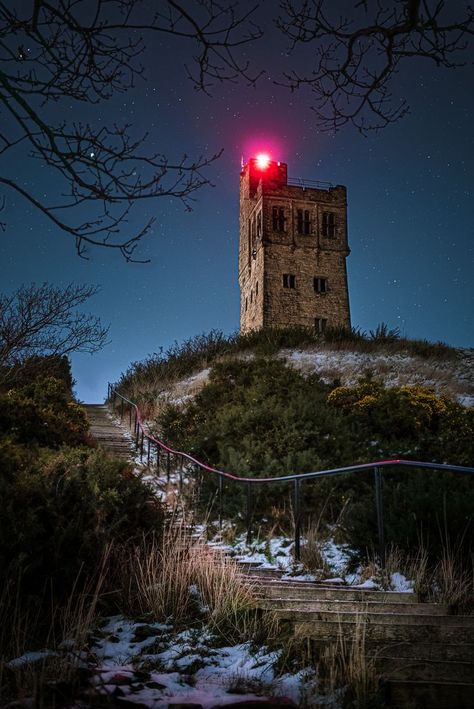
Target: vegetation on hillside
[[257, 416], [262, 418], [66, 507], [144, 381]]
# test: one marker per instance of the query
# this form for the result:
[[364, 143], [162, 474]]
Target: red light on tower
[[263, 161]]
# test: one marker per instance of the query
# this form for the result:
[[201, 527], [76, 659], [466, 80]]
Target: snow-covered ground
[[155, 667], [452, 377], [277, 554]]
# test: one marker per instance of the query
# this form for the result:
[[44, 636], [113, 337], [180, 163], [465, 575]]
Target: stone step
[[384, 632], [109, 434], [373, 618], [355, 606], [420, 669], [405, 694], [315, 591], [406, 652]]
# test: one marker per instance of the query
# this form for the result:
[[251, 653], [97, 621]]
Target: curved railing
[[153, 449]]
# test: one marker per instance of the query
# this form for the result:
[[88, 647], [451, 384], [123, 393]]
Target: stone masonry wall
[[266, 254]]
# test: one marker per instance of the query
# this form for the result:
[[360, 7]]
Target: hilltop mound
[[338, 357]]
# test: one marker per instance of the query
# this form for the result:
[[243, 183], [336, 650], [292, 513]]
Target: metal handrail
[[140, 435]]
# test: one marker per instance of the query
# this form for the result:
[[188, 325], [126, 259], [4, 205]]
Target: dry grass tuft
[[181, 580], [53, 678]]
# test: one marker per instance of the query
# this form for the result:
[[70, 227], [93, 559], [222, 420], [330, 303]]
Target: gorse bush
[[60, 510], [43, 413], [261, 418], [144, 381], [62, 502]]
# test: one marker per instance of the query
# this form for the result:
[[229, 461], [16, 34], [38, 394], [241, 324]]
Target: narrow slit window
[[289, 280], [303, 221], [320, 285], [278, 219], [320, 324], [329, 224]]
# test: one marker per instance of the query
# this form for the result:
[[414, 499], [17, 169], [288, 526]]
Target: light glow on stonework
[[263, 161]]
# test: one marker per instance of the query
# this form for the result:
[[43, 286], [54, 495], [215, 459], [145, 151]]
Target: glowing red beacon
[[263, 161]]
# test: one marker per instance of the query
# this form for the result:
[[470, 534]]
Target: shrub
[[260, 417], [60, 510], [43, 413]]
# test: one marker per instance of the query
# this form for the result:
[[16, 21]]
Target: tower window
[[320, 285], [320, 324], [256, 289], [303, 221], [259, 224], [246, 304], [329, 224], [251, 296], [278, 219], [289, 280]]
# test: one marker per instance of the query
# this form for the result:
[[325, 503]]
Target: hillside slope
[[453, 377]]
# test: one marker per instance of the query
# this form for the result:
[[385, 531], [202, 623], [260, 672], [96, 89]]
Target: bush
[[261, 418], [61, 509], [43, 413]]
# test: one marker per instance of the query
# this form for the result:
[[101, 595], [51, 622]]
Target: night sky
[[409, 207]]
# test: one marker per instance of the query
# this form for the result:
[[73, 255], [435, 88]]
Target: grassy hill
[[289, 401]]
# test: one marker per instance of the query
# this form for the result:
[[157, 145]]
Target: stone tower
[[292, 252]]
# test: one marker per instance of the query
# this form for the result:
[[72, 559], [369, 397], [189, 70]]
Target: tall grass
[[181, 580], [60, 631], [145, 380]]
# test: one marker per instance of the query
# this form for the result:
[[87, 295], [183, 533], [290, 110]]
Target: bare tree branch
[[356, 57], [45, 321], [87, 51]]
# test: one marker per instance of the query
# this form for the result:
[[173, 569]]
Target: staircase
[[109, 433], [423, 654]]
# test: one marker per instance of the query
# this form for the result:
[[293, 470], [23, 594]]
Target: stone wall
[[270, 248]]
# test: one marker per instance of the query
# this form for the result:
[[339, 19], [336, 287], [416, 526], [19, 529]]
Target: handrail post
[[249, 514], [380, 514], [221, 492], [158, 452], [141, 447], [121, 410], [148, 453], [168, 466], [297, 516]]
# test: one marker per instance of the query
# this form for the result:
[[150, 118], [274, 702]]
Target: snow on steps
[[109, 433], [424, 654]]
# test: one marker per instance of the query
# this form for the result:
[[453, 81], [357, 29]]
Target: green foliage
[[145, 380], [61, 509], [36, 368], [259, 417], [62, 502], [42, 413]]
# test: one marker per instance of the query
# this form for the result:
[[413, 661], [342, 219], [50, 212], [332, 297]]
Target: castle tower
[[292, 252]]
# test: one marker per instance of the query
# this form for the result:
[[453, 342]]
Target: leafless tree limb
[[44, 321], [87, 51], [356, 57]]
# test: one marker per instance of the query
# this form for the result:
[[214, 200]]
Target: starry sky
[[409, 208]]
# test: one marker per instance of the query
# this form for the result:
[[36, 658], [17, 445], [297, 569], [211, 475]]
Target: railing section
[[164, 457]]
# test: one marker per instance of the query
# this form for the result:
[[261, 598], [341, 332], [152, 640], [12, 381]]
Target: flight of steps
[[109, 433], [423, 653]]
